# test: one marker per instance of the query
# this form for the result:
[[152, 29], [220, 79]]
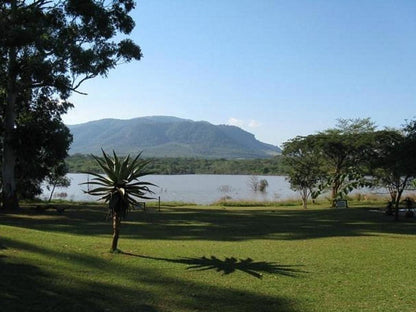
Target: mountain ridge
[[167, 136]]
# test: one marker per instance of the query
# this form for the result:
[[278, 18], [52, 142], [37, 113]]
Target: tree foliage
[[263, 184], [172, 165], [41, 142], [345, 150], [47, 50], [305, 167], [393, 164], [57, 178], [337, 159]]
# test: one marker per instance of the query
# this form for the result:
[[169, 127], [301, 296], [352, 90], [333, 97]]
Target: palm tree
[[119, 186]]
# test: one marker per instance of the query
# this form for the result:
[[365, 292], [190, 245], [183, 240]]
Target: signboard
[[341, 203]]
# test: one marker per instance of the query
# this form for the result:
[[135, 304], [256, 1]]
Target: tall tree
[[334, 159], [305, 167], [345, 150], [49, 48], [393, 162], [41, 143]]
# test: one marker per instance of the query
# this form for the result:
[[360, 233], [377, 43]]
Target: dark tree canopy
[[393, 162], [41, 143], [58, 44], [47, 49]]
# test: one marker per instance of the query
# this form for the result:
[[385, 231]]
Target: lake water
[[195, 188], [199, 188]]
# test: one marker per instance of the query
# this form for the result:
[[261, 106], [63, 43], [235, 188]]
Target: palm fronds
[[120, 185]]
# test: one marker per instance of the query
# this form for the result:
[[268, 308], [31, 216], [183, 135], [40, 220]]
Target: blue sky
[[277, 69]]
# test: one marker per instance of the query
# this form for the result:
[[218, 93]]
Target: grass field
[[208, 259]]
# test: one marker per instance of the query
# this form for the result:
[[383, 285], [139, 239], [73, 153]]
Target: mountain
[[164, 136]]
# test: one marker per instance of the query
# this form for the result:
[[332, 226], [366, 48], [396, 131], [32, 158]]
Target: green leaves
[[305, 164], [338, 159], [120, 185], [48, 49], [346, 182]]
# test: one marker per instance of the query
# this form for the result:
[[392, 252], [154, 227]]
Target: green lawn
[[208, 259]]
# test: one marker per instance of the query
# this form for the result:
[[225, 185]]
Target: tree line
[[351, 155], [176, 165]]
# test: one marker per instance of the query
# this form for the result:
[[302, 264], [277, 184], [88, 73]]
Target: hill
[[164, 136]]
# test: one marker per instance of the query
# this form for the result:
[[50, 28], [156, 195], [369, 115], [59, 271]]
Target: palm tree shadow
[[230, 265]]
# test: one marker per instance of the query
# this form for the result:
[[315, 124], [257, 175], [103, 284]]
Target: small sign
[[341, 203]]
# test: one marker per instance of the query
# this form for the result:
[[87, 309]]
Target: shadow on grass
[[231, 265], [81, 282], [30, 286], [218, 224]]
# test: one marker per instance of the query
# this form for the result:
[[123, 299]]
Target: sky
[[277, 69]]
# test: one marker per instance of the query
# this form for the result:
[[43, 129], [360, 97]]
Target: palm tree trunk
[[116, 230]]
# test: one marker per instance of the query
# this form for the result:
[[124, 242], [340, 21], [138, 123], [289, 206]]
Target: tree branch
[[79, 92], [76, 86]]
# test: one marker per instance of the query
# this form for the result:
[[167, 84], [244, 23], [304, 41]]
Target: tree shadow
[[29, 287], [33, 287], [230, 265], [215, 224]]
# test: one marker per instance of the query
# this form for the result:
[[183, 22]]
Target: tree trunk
[[10, 201], [334, 194], [116, 230], [334, 188], [304, 195], [53, 190], [396, 210], [399, 195]]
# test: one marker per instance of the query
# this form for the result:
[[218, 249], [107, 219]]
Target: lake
[[194, 188], [199, 188]]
